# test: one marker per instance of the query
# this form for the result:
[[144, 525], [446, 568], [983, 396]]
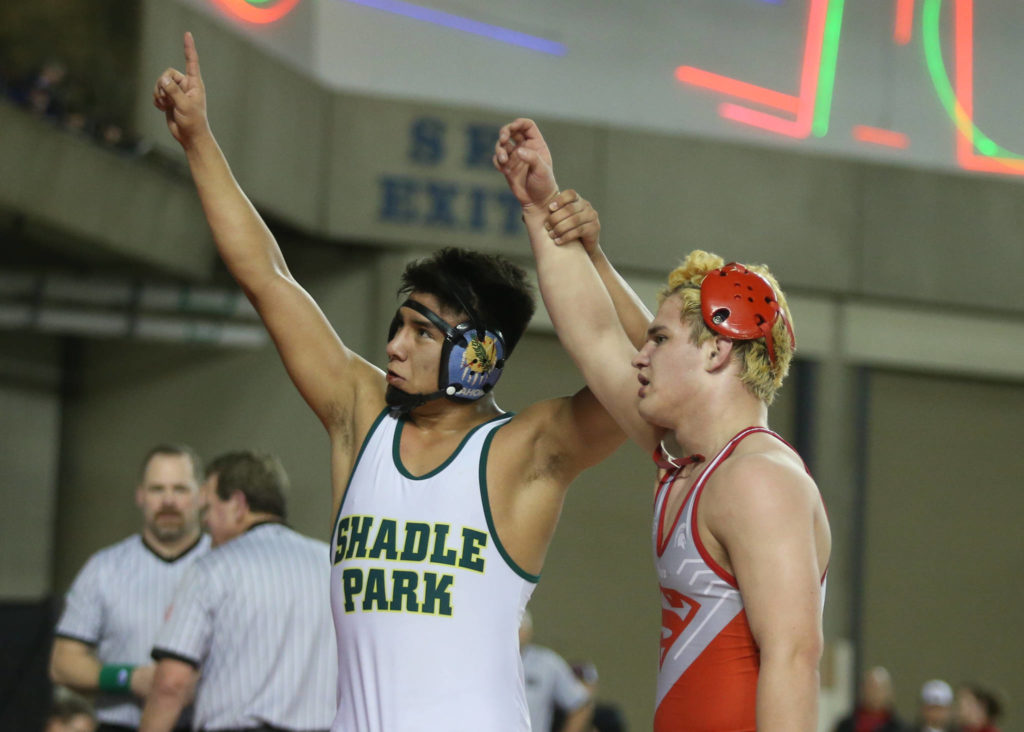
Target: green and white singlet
[[426, 601]]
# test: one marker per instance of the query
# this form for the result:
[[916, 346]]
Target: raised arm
[[573, 218], [329, 376], [579, 303]]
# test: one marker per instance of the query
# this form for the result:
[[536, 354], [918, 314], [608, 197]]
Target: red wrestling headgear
[[742, 305]]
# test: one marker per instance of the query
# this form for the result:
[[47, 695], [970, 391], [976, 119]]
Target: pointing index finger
[[191, 56]]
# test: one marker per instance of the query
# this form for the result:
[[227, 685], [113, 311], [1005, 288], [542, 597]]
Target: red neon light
[[768, 122], [904, 22], [253, 14], [968, 159], [878, 136], [800, 127], [736, 88]]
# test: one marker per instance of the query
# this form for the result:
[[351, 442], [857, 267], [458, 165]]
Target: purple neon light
[[467, 25]]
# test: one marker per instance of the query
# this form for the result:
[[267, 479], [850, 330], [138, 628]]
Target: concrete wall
[[941, 595], [30, 426]]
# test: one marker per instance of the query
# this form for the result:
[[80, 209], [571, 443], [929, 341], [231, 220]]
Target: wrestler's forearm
[[630, 309], [579, 305]]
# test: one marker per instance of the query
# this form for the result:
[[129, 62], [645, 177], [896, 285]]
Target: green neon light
[[827, 70], [944, 89]]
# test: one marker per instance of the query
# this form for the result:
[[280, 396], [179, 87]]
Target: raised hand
[[522, 156], [573, 218], [182, 98]]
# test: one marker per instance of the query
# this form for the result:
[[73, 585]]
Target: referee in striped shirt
[[117, 602], [249, 632]]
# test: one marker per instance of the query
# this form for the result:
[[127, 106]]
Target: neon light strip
[[736, 88], [936, 67], [467, 25], [1009, 161], [252, 14], [964, 35], [752, 117], [904, 27], [827, 74], [878, 136], [801, 126]]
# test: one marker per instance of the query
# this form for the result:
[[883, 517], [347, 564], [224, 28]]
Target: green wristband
[[116, 678]]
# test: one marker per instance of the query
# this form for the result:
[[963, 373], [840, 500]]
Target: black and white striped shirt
[[117, 604], [254, 616]]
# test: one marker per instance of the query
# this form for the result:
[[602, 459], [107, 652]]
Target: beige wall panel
[[667, 195], [282, 153], [917, 338], [953, 240], [944, 552]]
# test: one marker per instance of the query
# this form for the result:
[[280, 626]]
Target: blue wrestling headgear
[[472, 357]]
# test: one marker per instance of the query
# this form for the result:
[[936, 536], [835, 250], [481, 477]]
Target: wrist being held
[[540, 209]]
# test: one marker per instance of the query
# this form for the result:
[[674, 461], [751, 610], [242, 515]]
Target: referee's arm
[[73, 663], [173, 688]]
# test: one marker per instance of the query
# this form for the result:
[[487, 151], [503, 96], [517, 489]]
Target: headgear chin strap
[[742, 305], [472, 359]]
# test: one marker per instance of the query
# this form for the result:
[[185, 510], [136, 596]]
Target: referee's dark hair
[[173, 449], [258, 475]]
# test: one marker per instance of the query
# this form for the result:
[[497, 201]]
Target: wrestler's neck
[[446, 415], [708, 424]]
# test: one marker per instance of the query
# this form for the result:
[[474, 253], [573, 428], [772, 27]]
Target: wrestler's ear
[[717, 352]]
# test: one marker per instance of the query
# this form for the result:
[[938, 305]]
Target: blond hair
[[757, 371]]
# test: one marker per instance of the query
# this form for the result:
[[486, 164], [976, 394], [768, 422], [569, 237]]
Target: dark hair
[[495, 289], [259, 476], [174, 449], [988, 700], [66, 706]]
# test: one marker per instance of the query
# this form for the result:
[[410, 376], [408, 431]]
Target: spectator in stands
[[977, 709], [936, 712], [874, 711]]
